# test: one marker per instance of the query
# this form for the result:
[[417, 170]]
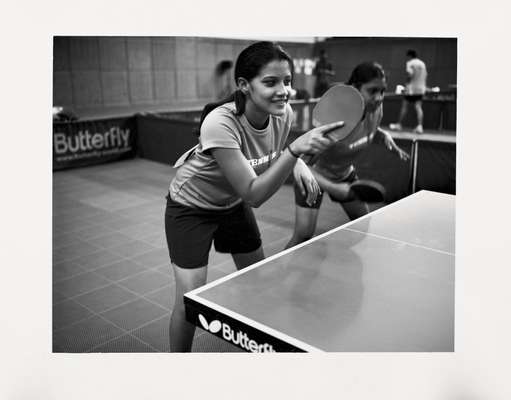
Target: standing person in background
[[323, 71], [223, 79], [414, 92], [240, 162], [334, 170]]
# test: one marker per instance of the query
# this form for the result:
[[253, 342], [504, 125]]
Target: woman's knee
[[189, 278], [242, 260]]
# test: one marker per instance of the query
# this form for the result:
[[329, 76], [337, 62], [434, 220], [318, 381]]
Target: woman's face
[[373, 92], [269, 91]]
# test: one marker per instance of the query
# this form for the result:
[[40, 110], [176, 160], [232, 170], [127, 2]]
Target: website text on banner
[[83, 143]]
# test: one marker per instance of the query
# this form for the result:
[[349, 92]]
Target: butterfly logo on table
[[213, 326]]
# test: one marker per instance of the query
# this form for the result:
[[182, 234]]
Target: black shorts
[[301, 200], [191, 231], [413, 98]]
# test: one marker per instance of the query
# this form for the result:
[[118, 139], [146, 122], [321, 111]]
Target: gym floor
[[113, 287]]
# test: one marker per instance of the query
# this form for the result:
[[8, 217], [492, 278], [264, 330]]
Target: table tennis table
[[381, 283], [416, 139]]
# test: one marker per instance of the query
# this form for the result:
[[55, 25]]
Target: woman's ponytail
[[211, 106], [240, 101]]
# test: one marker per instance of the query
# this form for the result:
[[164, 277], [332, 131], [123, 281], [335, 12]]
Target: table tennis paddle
[[339, 103]]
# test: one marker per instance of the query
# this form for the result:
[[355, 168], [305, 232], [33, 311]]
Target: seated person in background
[[334, 170], [223, 78], [63, 114], [299, 94], [302, 94]]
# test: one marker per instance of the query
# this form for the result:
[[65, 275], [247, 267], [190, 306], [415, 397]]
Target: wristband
[[292, 152]]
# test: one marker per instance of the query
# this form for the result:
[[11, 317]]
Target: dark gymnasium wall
[[102, 76], [106, 76], [439, 54]]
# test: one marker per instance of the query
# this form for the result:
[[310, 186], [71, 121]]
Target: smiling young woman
[[240, 162]]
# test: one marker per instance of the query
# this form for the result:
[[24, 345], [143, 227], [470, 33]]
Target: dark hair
[[411, 53], [248, 65], [365, 72]]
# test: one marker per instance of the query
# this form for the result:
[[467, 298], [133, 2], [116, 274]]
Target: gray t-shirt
[[199, 182]]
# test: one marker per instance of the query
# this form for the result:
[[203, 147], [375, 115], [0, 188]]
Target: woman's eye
[[273, 82]]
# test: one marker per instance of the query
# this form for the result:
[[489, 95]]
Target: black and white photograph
[[255, 200], [337, 153]]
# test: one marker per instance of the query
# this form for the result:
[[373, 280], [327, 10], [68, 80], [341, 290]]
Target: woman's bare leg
[[355, 209], [243, 260], [305, 225], [180, 330]]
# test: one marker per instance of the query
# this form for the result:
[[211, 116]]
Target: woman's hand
[[392, 146], [315, 141], [403, 155], [306, 182]]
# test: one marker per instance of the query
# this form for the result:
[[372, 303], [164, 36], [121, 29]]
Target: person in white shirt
[[414, 91]]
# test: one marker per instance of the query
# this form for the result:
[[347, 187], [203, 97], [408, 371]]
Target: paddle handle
[[310, 159]]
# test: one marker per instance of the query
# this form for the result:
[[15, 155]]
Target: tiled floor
[[113, 288]]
